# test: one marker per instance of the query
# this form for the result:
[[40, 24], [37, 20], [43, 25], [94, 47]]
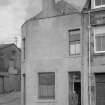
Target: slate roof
[[2, 46]]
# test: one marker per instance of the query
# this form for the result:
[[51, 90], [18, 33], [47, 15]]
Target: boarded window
[[47, 85], [74, 42]]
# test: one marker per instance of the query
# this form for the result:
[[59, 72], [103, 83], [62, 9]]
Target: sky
[[13, 13]]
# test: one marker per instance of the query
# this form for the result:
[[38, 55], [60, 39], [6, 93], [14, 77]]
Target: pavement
[[13, 98]]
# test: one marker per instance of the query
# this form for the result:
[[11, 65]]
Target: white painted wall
[[47, 50]]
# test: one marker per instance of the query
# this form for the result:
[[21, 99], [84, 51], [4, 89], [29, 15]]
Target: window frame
[[95, 43], [48, 97], [75, 41], [100, 6]]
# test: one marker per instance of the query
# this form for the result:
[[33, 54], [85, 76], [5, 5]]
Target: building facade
[[62, 61], [97, 51]]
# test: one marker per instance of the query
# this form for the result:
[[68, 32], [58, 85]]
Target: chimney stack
[[48, 4], [48, 9]]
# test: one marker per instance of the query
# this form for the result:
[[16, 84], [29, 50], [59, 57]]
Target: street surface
[[13, 98]]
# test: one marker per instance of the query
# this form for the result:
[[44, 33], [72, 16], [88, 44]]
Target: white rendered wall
[[47, 49]]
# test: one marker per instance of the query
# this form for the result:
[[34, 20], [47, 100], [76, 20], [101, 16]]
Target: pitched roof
[[2, 46]]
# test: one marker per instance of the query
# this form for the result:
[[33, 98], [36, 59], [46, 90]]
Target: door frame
[[73, 72]]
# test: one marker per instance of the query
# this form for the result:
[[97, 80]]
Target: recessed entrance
[[74, 88]]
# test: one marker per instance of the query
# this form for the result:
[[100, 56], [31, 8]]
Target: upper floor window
[[74, 42], [99, 37], [46, 85], [99, 3]]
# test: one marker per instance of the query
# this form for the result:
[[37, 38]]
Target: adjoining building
[[63, 58], [96, 15], [10, 68]]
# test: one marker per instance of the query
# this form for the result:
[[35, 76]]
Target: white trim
[[95, 43]]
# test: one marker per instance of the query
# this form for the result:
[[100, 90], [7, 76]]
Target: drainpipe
[[84, 61], [89, 60], [23, 89], [87, 63], [24, 80]]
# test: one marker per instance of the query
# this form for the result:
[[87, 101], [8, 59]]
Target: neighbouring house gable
[[10, 53], [59, 9], [66, 8]]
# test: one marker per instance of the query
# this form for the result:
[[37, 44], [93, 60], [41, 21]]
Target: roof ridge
[[5, 45]]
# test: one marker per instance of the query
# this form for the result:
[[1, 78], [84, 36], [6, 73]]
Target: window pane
[[103, 43], [98, 43], [97, 2], [78, 48], [47, 85], [74, 38], [103, 2], [72, 49], [46, 79]]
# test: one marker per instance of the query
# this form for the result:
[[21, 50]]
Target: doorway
[[100, 88], [74, 88]]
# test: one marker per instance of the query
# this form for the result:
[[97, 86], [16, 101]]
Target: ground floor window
[[46, 85]]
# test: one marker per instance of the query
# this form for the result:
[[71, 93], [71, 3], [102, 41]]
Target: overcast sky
[[13, 14]]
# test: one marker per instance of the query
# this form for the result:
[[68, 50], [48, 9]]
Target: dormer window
[[99, 3]]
